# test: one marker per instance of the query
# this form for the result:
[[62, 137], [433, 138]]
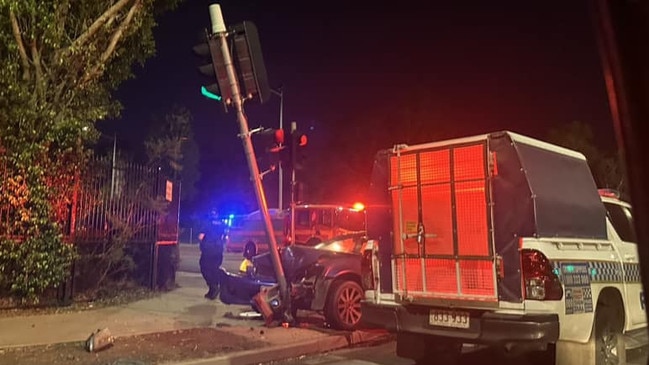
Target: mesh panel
[[413, 279], [469, 186], [440, 276], [471, 210], [438, 220], [476, 277], [398, 271], [398, 233], [468, 163], [435, 167], [403, 170], [409, 212]]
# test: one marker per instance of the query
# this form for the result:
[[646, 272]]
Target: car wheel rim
[[608, 348], [349, 306]]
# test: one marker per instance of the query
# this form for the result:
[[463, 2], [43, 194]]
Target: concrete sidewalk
[[182, 308]]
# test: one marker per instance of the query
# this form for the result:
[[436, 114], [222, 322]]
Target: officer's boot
[[213, 292]]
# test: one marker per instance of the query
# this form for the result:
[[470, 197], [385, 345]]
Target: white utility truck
[[504, 241]]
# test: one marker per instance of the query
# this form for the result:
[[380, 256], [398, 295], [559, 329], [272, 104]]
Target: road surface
[[385, 354], [190, 253]]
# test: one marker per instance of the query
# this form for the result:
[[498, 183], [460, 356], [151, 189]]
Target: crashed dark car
[[324, 278]]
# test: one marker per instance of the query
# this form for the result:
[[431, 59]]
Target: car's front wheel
[[343, 310]]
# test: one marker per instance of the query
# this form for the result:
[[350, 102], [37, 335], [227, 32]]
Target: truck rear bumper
[[486, 328]]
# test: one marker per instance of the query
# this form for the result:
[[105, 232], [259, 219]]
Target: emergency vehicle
[[250, 228], [504, 241], [314, 223]]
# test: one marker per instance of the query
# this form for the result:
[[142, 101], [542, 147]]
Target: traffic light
[[214, 68], [272, 141], [250, 61], [278, 150], [298, 142]]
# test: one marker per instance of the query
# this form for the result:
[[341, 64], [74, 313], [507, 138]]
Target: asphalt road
[[190, 253], [385, 354]]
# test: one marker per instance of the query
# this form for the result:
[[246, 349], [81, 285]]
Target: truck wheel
[[609, 346], [343, 310], [425, 349]]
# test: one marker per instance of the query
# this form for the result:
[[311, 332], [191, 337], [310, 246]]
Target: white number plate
[[449, 318]]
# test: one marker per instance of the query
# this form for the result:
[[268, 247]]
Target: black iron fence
[[116, 198], [116, 195]]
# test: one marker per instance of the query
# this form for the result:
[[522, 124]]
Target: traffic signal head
[[277, 143], [302, 140], [272, 141], [250, 61], [298, 142], [279, 136], [214, 69]]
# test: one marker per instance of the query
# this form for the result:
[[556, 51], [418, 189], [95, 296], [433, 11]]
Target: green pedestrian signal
[[209, 94]]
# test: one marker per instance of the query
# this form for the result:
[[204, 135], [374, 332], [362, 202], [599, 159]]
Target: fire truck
[[314, 223], [504, 241]]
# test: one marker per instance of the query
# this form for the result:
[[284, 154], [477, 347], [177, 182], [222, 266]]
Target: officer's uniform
[[211, 259]]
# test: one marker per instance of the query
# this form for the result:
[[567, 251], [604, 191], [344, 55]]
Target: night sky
[[464, 67]]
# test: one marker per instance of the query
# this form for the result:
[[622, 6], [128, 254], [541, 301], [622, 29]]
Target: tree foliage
[[166, 138], [59, 63]]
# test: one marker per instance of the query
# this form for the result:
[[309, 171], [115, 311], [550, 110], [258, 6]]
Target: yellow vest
[[245, 264]]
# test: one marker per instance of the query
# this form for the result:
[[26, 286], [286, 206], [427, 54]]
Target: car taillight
[[367, 271], [539, 280]]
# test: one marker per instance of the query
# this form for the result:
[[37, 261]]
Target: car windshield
[[347, 243]]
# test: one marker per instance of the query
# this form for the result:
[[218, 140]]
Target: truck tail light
[[367, 271], [539, 280]]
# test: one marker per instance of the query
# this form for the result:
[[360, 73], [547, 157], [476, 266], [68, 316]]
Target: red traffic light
[[279, 136], [302, 140]]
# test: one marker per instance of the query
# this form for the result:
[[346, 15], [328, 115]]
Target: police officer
[[211, 245]]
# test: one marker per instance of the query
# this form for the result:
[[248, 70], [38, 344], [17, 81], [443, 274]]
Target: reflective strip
[[632, 273], [605, 271]]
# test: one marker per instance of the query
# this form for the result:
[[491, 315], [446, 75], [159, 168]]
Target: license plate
[[449, 318]]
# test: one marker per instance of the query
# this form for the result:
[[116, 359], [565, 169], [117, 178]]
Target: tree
[[171, 145], [59, 63]]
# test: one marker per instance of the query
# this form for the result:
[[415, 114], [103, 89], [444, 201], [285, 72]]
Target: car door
[[620, 216]]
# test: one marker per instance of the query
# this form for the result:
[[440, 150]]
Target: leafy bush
[[37, 263]]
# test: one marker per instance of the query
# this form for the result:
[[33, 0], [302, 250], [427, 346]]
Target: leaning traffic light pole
[[220, 33]]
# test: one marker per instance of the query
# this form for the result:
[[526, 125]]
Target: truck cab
[[504, 241]]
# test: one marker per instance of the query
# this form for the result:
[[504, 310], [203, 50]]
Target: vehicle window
[[237, 221], [278, 225], [342, 244], [622, 219], [326, 218], [351, 220], [303, 218]]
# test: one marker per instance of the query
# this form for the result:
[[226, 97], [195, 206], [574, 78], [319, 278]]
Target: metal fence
[[111, 198], [116, 195]]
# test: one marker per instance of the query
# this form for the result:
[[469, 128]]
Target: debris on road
[[99, 340]]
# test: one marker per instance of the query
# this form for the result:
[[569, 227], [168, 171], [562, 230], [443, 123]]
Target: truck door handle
[[630, 257]]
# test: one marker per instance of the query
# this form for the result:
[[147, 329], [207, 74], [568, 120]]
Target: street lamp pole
[[280, 92]]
